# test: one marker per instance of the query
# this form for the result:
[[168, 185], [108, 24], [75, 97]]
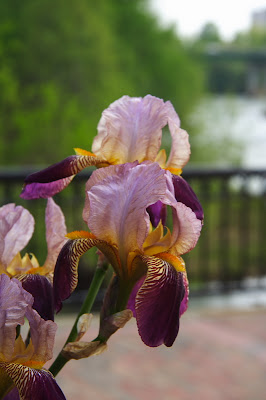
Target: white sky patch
[[230, 16]]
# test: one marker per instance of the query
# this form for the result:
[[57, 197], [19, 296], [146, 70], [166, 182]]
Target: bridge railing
[[231, 249]]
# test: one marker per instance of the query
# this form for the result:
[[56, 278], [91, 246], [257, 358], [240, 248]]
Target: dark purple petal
[[158, 303], [157, 213], [132, 298], [185, 194], [41, 289], [51, 180], [184, 302], [44, 190], [33, 384], [63, 169], [12, 395], [66, 269]]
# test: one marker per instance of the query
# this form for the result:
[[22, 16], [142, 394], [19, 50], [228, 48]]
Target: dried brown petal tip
[[78, 350], [83, 325], [116, 321]]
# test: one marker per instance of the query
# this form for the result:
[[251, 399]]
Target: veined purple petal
[[158, 303], [185, 194], [33, 384], [51, 180], [63, 169], [41, 289], [16, 228], [184, 303], [44, 190], [12, 395], [66, 269], [157, 213], [131, 305]]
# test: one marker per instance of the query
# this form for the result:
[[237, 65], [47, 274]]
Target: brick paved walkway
[[217, 356]]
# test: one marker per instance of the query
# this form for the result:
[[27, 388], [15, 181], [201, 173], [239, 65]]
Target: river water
[[231, 131]]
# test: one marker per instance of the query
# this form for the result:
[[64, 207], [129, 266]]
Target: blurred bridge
[[255, 60]]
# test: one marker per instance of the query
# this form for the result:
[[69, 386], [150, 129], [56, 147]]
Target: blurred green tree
[[63, 62]]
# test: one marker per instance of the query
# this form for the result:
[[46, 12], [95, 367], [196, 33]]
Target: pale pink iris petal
[[16, 228], [130, 129], [180, 149], [42, 335], [55, 232], [186, 226], [14, 302], [118, 206], [98, 176]]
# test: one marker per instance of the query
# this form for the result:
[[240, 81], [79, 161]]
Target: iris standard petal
[[180, 149], [186, 226], [98, 176], [42, 291], [42, 335], [130, 129], [117, 206], [16, 228], [158, 303], [55, 178], [33, 384], [185, 194], [14, 302], [66, 269], [55, 232]]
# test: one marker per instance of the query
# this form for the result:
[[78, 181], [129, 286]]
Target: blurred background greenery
[[63, 62]]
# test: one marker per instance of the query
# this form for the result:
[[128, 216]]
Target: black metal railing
[[232, 244]]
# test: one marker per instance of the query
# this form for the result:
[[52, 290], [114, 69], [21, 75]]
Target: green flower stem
[[98, 277]]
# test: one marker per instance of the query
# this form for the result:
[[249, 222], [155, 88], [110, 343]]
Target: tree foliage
[[63, 62]]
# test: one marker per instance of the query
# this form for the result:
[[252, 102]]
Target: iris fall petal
[[41, 289], [66, 269], [33, 384], [158, 303], [48, 182]]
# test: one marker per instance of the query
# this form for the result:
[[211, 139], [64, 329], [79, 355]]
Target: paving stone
[[219, 355]]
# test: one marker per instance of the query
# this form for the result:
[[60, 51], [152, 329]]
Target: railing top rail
[[19, 174]]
